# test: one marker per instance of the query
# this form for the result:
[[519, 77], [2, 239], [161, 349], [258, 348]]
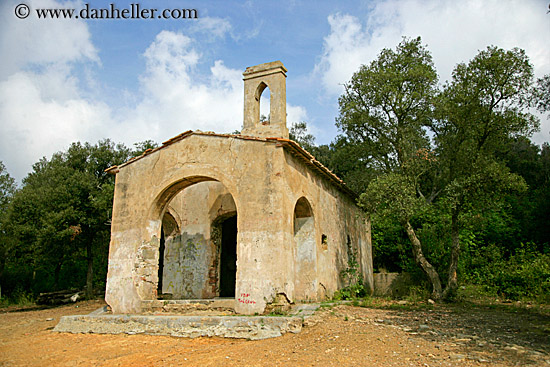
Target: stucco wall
[[335, 216]]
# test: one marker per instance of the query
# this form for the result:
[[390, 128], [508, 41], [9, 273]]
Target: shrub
[[524, 274]]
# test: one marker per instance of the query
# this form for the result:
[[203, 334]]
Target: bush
[[18, 297], [351, 292], [524, 274]]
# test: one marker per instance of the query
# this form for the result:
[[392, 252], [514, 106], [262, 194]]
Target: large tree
[[63, 210], [7, 189], [479, 110], [383, 114]]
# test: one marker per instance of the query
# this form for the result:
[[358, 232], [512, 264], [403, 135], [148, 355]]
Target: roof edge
[[293, 147]]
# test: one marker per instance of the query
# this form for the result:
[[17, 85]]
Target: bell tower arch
[[257, 78]]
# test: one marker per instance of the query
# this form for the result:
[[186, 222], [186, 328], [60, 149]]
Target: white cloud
[[295, 114], [31, 41], [453, 30], [176, 99], [212, 26], [36, 123], [41, 110]]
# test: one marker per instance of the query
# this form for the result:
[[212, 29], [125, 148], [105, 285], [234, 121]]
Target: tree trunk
[[90, 273], [421, 260], [452, 281]]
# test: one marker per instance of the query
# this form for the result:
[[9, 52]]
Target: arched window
[[305, 283], [263, 96]]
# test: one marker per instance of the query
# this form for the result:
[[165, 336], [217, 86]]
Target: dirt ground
[[340, 335]]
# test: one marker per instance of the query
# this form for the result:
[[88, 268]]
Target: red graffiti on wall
[[244, 299]]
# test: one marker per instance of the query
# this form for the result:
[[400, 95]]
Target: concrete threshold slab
[[245, 327]]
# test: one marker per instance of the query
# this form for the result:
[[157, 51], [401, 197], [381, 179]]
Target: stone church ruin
[[250, 218]]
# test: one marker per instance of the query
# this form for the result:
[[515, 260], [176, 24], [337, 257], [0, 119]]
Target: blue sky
[[132, 80]]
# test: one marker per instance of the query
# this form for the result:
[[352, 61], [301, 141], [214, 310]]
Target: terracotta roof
[[293, 148]]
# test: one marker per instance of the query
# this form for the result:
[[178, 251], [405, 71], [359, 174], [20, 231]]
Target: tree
[[298, 132], [62, 212], [541, 94], [142, 146], [481, 108], [383, 113], [7, 189]]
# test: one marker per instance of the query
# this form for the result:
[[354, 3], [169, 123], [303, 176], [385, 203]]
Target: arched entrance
[[198, 243]]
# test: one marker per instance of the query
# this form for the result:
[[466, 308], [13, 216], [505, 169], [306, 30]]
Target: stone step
[[246, 327], [215, 306]]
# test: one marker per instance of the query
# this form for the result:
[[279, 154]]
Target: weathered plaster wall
[[275, 253], [335, 216]]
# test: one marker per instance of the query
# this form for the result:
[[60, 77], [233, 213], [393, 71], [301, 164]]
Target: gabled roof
[[291, 146]]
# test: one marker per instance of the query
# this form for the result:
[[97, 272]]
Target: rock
[[423, 327], [456, 356], [478, 359]]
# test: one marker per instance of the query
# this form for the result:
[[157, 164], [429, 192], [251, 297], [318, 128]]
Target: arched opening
[[305, 283], [192, 257], [169, 228], [263, 96]]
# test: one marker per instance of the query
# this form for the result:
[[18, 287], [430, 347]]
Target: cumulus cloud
[[176, 98], [32, 41], [34, 125], [41, 108], [453, 30]]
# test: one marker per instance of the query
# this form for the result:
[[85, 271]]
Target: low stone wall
[[394, 285]]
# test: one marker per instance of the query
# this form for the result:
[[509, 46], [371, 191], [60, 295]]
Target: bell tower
[[257, 78]]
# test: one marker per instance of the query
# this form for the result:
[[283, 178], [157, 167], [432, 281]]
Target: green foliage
[[351, 292], [541, 94], [523, 274], [417, 294], [351, 276], [298, 132], [468, 185], [60, 220], [393, 195], [386, 104], [7, 189], [141, 147]]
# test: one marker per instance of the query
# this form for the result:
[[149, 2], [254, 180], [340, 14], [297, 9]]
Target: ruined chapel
[[249, 217]]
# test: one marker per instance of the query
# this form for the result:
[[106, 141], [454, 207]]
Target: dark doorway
[[161, 262], [228, 257]]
